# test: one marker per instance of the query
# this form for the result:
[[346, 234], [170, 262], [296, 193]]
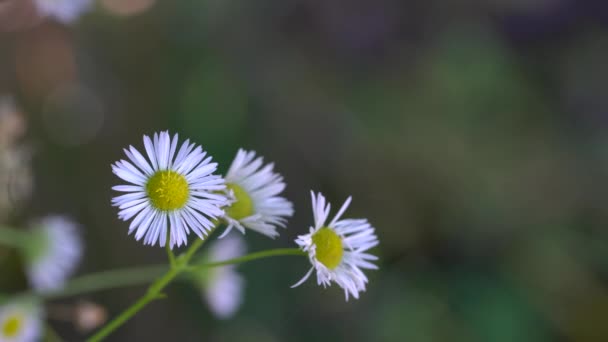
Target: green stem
[[169, 250], [195, 246], [154, 291], [108, 280], [13, 237], [253, 256], [126, 315]]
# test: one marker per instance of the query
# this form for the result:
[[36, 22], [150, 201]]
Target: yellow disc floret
[[12, 326], [328, 247], [243, 205], [168, 190]]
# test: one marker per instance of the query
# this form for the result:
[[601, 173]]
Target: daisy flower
[[168, 191], [254, 190], [53, 253], [20, 322], [337, 250], [66, 11], [222, 287]]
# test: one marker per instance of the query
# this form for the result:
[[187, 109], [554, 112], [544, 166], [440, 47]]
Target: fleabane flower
[[337, 250], [20, 321], [53, 252], [254, 190], [168, 192], [65, 11], [222, 287]]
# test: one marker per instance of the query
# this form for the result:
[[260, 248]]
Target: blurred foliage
[[471, 134]]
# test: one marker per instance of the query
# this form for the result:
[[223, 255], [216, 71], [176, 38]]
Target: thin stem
[[126, 315], [195, 246], [169, 250], [13, 237], [108, 280], [154, 291], [113, 279], [252, 256], [99, 281]]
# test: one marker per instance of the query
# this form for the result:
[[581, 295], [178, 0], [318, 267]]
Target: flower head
[[222, 287], [20, 321], [254, 189], [65, 11], [168, 191], [54, 252], [337, 250]]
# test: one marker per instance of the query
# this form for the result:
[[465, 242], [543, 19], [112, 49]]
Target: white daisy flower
[[20, 322], [222, 287], [337, 250], [53, 253], [175, 192], [65, 11], [254, 189]]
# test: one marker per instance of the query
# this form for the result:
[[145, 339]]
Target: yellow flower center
[[243, 205], [12, 326], [168, 190], [328, 247]]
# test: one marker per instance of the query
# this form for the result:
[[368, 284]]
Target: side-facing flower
[[54, 251], [254, 189], [222, 287], [337, 250], [175, 192], [20, 321], [66, 11]]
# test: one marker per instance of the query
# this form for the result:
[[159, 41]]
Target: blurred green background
[[472, 134]]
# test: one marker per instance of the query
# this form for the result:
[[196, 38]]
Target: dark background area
[[472, 134]]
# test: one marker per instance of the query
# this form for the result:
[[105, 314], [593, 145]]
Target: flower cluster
[[172, 192], [169, 191]]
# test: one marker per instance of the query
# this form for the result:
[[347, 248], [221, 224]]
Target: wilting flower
[[168, 192], [222, 287], [53, 252], [337, 250], [254, 189], [15, 172], [20, 321], [66, 11]]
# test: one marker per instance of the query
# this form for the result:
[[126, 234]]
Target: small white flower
[[222, 287], [170, 191], [254, 190], [66, 11], [53, 253], [337, 250], [20, 322]]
